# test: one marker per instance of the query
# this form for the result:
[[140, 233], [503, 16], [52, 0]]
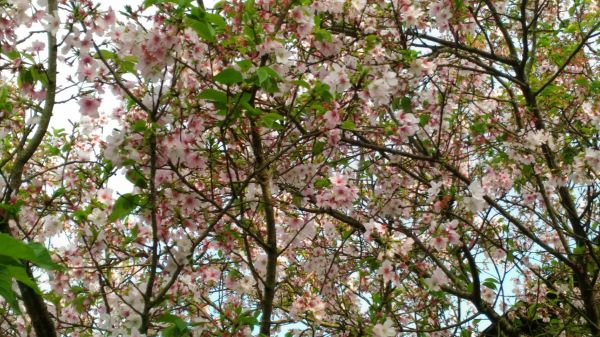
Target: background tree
[[319, 168]]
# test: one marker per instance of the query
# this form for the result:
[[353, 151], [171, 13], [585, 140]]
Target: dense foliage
[[300, 168]]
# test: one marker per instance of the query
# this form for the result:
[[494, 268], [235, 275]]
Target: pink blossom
[[535, 139], [384, 330], [386, 270], [453, 237], [374, 227], [87, 67], [439, 243], [210, 274], [304, 17], [488, 295], [592, 158], [408, 125], [52, 23], [476, 202], [37, 46], [304, 29], [337, 79], [109, 17], [85, 44], [88, 106], [438, 278], [332, 118], [338, 179], [329, 48], [104, 195], [195, 160], [308, 303], [334, 136], [530, 198], [337, 197], [422, 67], [411, 16], [380, 90]]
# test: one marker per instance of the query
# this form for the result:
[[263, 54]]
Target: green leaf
[[81, 214], [136, 178], [12, 54], [348, 124], [396, 103], [124, 206], [11, 252], [270, 120], [531, 310], [7, 292], [245, 65], [127, 67], [318, 148], [229, 76], [568, 154], [267, 79], [42, 257], [406, 106], [527, 170], [322, 92], [424, 119], [322, 183], [262, 74], [148, 3], [248, 320], [268, 73], [214, 96], [39, 76], [249, 7], [217, 21], [20, 274], [25, 77], [202, 28], [58, 193], [168, 318], [479, 128], [252, 111], [139, 126], [3, 95], [178, 326], [376, 298], [323, 35], [301, 83], [297, 200], [11, 210], [34, 252], [490, 283], [106, 54]]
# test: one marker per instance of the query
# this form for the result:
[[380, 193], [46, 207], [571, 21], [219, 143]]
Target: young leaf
[[202, 28], [213, 95], [20, 274], [348, 124], [229, 76], [15, 248], [124, 206], [6, 290], [406, 106], [270, 120], [33, 252]]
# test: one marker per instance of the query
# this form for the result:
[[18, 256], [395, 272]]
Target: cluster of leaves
[[13, 255]]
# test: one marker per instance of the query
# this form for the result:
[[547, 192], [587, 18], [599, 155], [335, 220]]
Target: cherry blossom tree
[[324, 168]]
